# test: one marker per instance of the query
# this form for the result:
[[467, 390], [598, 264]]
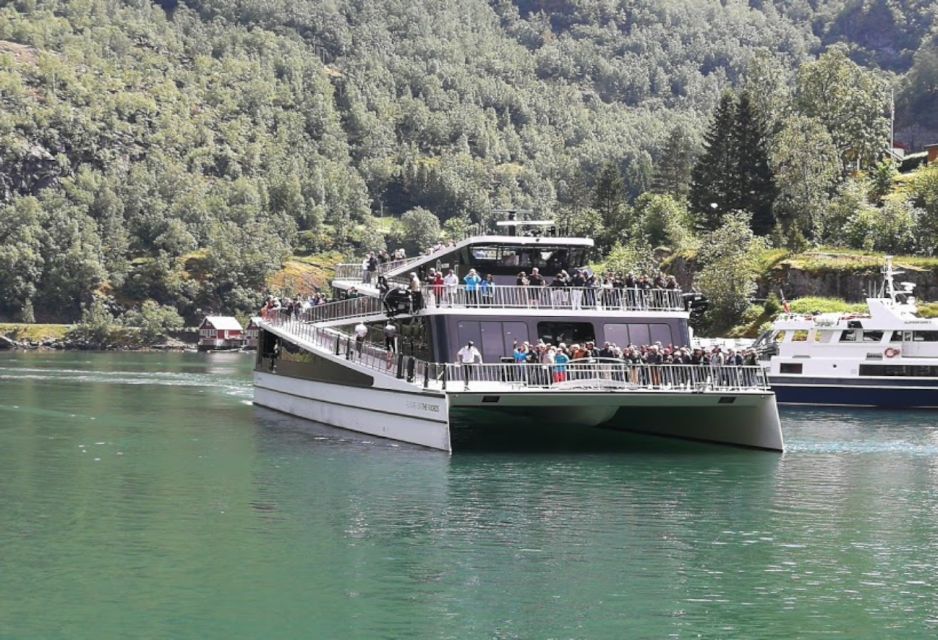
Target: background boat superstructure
[[887, 357]]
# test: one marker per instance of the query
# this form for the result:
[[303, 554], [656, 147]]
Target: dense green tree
[[729, 266], [923, 194], [807, 168], [882, 180], [21, 257], [153, 321], [154, 137], [851, 102], [768, 84], [417, 230], [610, 202], [663, 221]]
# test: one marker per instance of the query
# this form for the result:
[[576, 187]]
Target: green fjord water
[[143, 496]]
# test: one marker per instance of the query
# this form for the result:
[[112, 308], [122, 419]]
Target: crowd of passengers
[[562, 362], [291, 307], [583, 289]]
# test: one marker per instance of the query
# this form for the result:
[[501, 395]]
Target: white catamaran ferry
[[887, 357], [314, 367]]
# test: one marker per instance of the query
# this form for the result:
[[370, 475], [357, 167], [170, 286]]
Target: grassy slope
[[305, 275], [34, 332]]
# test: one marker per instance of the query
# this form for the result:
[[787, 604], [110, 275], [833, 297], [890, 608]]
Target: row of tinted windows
[[890, 370], [897, 336], [899, 370]]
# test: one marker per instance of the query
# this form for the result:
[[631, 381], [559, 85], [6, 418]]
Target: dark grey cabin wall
[[449, 336]]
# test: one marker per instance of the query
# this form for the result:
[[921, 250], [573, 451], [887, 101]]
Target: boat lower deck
[[321, 374]]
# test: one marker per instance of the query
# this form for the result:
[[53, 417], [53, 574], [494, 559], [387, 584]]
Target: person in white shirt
[[361, 331], [467, 356], [451, 281]]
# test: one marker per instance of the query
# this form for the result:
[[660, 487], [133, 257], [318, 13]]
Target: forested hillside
[[180, 151]]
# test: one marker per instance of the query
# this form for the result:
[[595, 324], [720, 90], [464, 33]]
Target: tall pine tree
[[733, 174], [673, 173], [713, 191], [756, 190]]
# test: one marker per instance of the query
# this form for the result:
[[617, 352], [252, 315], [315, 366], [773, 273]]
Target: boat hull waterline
[[746, 419]]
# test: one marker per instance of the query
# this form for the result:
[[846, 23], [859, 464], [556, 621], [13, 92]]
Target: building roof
[[225, 323]]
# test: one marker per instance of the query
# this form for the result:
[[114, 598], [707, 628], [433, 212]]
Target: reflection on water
[[142, 497]]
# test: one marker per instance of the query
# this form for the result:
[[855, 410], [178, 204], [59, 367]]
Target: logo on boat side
[[423, 406]]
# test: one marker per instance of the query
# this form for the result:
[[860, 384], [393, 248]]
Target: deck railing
[[552, 298], [609, 375], [598, 375], [356, 272], [349, 309]]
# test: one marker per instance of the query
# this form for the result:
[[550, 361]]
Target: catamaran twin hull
[[340, 389]]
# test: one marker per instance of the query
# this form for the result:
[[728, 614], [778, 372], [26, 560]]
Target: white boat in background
[[313, 367], [887, 357]]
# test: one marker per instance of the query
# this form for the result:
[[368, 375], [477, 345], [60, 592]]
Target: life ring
[[892, 352]]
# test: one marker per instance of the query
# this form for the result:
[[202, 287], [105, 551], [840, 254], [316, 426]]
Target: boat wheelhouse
[[415, 391], [887, 357]]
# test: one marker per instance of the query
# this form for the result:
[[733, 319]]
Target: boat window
[[508, 260], [660, 333], [790, 367], [823, 336], [639, 334], [848, 336], [616, 334], [800, 335], [925, 336], [566, 332], [779, 337], [896, 336], [872, 336], [899, 370]]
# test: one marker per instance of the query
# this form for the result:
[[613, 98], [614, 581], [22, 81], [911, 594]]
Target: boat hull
[[417, 418], [894, 394], [426, 419]]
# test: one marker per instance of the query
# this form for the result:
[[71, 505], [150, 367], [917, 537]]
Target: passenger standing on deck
[[488, 291], [536, 280], [361, 332], [522, 291], [390, 341], [472, 281], [438, 285], [578, 283], [560, 364], [589, 293], [520, 356], [372, 267], [430, 280], [557, 293], [451, 281], [416, 293], [468, 356]]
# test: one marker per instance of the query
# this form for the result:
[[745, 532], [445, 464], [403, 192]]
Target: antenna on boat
[[889, 290]]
